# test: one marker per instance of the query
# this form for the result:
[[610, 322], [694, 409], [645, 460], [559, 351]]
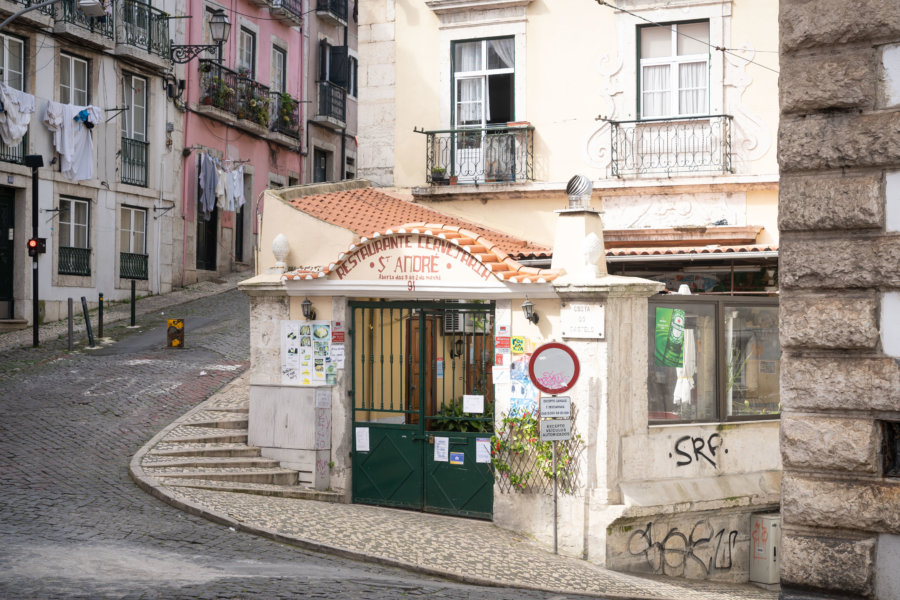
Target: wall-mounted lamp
[[457, 349], [528, 309], [219, 28], [309, 313]]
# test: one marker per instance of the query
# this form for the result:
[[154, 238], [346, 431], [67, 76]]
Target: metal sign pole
[[555, 529]]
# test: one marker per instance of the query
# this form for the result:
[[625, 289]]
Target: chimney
[[578, 247]]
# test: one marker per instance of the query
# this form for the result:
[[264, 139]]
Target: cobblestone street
[[74, 525]]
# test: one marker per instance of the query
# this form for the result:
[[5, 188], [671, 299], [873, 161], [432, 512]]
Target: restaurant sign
[[411, 257]]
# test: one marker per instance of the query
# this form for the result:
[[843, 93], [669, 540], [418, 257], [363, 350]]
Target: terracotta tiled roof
[[489, 253], [664, 252], [366, 211]]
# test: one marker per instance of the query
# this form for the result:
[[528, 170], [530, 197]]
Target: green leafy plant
[[452, 418], [518, 440]]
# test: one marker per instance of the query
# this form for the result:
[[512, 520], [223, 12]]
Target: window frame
[[128, 99], [245, 34], [482, 73], [674, 60], [71, 225], [5, 40], [281, 86], [719, 303], [132, 211], [70, 89]]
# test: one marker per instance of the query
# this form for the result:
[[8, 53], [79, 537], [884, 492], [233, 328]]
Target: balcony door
[[483, 87]]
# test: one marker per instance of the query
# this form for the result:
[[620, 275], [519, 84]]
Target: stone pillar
[[839, 150]]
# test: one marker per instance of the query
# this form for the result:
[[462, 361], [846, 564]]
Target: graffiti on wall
[[672, 552], [691, 449]]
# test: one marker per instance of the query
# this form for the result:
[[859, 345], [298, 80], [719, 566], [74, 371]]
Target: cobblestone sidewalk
[[120, 311], [461, 549]]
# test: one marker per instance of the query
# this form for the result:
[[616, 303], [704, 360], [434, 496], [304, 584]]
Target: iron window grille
[[497, 153], [132, 266], [74, 261]]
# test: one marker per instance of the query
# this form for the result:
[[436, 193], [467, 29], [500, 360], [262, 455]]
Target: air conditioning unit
[[454, 321], [92, 8]]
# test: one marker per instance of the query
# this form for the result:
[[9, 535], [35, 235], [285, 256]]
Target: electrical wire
[[731, 51]]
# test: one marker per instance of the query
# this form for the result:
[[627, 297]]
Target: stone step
[[224, 419], [261, 489], [219, 462], [222, 424], [205, 435], [276, 476], [210, 450]]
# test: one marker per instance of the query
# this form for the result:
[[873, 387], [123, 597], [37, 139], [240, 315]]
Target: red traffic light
[[36, 246]]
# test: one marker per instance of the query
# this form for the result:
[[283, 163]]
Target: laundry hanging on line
[[221, 185], [16, 108], [71, 126]]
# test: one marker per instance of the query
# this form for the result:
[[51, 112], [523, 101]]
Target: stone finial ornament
[[592, 247], [579, 190], [280, 248]]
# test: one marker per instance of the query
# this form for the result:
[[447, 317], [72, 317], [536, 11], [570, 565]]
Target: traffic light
[[37, 246]]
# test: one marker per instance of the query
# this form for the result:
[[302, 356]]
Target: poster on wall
[[306, 353], [524, 396]]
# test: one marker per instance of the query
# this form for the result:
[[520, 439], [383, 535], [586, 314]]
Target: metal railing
[[132, 266], [295, 7], [493, 154], [74, 261], [686, 145], [47, 10], [285, 116], [338, 8], [145, 27], [134, 161], [232, 92], [67, 11], [332, 101], [13, 154]]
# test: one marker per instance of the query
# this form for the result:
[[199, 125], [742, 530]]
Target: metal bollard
[[132, 302], [71, 324], [100, 317], [87, 321]]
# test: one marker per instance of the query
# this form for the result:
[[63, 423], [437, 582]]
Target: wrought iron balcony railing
[[134, 162], [493, 154], [234, 93], [686, 145], [337, 8], [145, 27], [74, 261], [332, 101], [132, 266], [292, 7], [67, 11], [13, 154], [285, 114]]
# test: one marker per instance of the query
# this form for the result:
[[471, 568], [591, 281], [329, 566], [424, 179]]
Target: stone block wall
[[839, 154]]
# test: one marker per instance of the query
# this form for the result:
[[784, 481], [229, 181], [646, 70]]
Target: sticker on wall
[[457, 458], [518, 344], [523, 393]]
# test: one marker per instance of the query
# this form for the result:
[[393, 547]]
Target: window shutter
[[339, 66], [324, 52]]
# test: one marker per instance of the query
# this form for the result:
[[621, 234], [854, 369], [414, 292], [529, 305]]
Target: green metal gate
[[411, 365]]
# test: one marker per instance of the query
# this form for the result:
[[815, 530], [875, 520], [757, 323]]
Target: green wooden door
[[411, 365]]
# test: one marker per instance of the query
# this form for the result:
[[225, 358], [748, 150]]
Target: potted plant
[[438, 175]]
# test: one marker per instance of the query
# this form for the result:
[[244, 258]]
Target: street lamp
[[219, 28]]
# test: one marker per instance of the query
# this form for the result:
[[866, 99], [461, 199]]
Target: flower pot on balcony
[[453, 179]]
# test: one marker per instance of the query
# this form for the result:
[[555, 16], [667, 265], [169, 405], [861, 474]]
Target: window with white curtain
[[73, 80], [12, 62], [74, 220], [483, 81], [133, 230], [134, 96], [674, 70]]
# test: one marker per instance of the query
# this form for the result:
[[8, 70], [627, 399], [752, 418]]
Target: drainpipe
[[344, 129], [304, 73]]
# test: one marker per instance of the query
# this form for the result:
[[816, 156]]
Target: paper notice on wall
[[362, 439], [291, 353], [441, 449], [337, 355], [483, 450], [323, 398], [500, 375]]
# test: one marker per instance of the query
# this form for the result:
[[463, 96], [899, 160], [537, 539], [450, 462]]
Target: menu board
[[306, 353]]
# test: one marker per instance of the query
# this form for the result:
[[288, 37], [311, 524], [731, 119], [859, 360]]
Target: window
[[713, 359], [674, 70], [74, 237], [321, 160], [350, 168], [279, 62], [247, 52], [134, 96], [133, 230], [333, 64], [483, 78], [73, 80], [12, 62]]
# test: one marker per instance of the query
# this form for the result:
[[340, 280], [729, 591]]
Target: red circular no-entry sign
[[553, 368]]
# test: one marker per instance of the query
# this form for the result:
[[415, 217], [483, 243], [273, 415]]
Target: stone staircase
[[208, 450]]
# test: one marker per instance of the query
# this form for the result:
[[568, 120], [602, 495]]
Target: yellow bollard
[[175, 333]]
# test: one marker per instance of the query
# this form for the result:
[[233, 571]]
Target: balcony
[[132, 266], [285, 116], [289, 12], [332, 106], [73, 24], [143, 33], [134, 162], [493, 154], [667, 147], [74, 261], [232, 92], [13, 154], [334, 11]]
